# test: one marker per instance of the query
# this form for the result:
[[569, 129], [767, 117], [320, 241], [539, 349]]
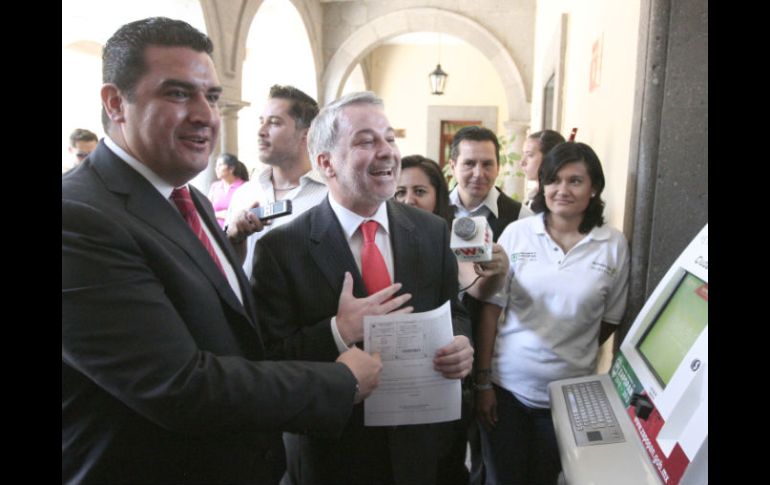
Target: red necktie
[[373, 268], [184, 203]]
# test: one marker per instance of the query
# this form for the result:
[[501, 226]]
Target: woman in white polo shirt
[[565, 292]]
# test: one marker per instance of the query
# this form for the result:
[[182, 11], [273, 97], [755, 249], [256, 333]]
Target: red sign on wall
[[596, 65]]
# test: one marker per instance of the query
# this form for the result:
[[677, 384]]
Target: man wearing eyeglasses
[[82, 142]]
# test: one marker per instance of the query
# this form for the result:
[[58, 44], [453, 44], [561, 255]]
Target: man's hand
[[498, 265], [351, 310], [455, 360], [366, 369], [244, 225], [492, 274]]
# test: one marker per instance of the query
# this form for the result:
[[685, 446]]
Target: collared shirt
[[350, 222], [309, 193], [165, 190], [554, 304], [489, 204]]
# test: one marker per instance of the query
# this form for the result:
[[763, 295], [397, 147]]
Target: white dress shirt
[[309, 193], [350, 222], [165, 190]]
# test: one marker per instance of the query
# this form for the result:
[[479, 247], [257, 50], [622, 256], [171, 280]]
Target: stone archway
[[376, 32]]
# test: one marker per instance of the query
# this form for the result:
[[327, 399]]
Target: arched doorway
[[374, 33]]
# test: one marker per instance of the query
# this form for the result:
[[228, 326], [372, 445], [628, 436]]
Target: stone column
[[514, 180], [227, 142], [228, 131]]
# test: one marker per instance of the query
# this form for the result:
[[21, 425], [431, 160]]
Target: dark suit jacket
[[297, 278], [163, 378]]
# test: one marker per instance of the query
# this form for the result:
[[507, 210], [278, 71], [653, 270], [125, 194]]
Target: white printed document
[[410, 390]]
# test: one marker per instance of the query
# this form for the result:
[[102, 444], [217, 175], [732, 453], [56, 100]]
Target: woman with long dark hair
[[536, 146], [564, 294], [422, 185]]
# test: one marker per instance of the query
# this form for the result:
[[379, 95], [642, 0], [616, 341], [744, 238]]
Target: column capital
[[229, 107], [516, 126]]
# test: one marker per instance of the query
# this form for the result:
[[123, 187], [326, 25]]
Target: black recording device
[[271, 211]]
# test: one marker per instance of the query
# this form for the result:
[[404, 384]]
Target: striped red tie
[[184, 203], [373, 268]]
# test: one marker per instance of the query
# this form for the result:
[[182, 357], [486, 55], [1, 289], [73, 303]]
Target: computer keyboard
[[590, 413]]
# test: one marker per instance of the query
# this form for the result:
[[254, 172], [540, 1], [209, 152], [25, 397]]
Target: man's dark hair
[[81, 134], [123, 56], [474, 133], [553, 161], [303, 107]]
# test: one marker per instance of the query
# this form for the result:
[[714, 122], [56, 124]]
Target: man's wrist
[[481, 380], [482, 387], [238, 238], [481, 373]]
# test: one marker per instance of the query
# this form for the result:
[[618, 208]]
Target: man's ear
[[324, 162], [113, 103]]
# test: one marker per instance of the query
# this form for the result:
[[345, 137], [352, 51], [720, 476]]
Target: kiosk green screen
[[676, 327]]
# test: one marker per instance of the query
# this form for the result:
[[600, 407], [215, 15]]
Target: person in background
[[164, 377], [475, 162], [536, 146], [359, 253], [283, 127], [564, 294], [82, 142], [422, 185], [231, 174]]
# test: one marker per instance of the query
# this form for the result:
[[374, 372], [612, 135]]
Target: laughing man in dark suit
[[312, 296]]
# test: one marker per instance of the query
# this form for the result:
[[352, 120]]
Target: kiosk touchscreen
[[646, 422]]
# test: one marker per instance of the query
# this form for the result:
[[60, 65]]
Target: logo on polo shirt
[[604, 268], [523, 256]]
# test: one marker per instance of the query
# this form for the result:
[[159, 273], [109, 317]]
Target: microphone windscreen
[[471, 239]]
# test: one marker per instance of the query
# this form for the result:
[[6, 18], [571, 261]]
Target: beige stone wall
[[399, 74], [603, 115]]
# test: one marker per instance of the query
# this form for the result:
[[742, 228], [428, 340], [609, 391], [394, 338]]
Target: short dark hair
[[303, 108], [474, 133], [553, 161], [123, 55], [239, 168], [81, 134], [437, 180], [547, 139]]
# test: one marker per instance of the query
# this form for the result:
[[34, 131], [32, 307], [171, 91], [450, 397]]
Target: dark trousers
[[451, 464], [522, 448]]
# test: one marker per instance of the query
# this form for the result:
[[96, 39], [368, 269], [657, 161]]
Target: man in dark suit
[[163, 371], [475, 161], [312, 284]]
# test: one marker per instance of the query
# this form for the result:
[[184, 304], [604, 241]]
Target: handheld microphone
[[471, 239]]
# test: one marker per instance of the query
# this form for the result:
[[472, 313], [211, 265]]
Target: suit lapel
[[405, 242], [215, 276], [330, 250], [148, 205]]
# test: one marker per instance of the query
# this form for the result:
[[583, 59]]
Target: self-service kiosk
[[646, 422]]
